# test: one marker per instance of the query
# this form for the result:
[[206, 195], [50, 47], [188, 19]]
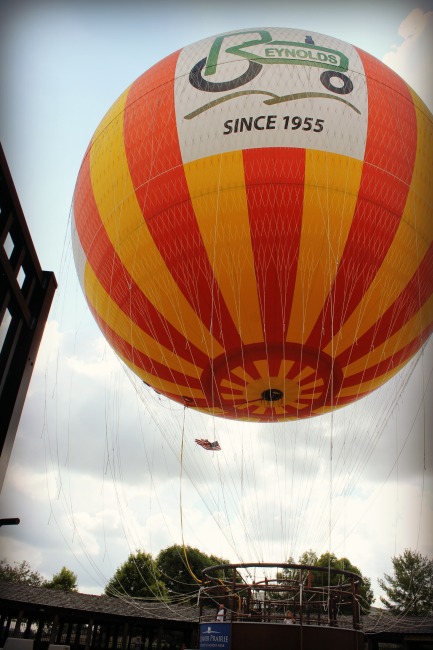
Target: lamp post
[[14, 521]]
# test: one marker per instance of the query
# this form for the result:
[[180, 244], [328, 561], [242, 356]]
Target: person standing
[[221, 612], [289, 619]]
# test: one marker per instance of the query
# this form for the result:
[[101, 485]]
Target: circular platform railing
[[265, 592]]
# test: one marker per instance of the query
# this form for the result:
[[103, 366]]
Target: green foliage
[[330, 560], [176, 569], [65, 580], [410, 589], [308, 557], [321, 578], [138, 577], [20, 573]]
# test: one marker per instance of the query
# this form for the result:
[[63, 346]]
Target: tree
[[320, 578], [65, 580], [20, 573], [308, 557], [364, 591], [138, 577], [410, 589], [177, 564]]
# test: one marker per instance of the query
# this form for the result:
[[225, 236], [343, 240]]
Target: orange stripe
[[331, 190], [395, 342], [410, 244], [166, 387], [387, 171], [365, 385], [122, 325], [112, 276], [217, 189], [117, 204], [162, 192]]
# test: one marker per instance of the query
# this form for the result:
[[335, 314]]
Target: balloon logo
[[253, 221]]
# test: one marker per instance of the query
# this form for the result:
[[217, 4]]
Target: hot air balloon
[[253, 221]]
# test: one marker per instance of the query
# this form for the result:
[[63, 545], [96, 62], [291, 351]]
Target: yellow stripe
[[226, 383], [411, 241], [326, 409], [120, 323], [298, 405], [242, 374], [262, 368], [285, 367], [391, 346], [161, 385], [126, 228], [421, 184], [370, 385], [315, 384], [330, 196], [217, 189], [305, 372]]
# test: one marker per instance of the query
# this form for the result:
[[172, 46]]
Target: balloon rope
[[180, 501], [332, 308], [422, 371]]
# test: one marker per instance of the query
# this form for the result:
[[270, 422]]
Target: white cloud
[[414, 24], [32, 484], [412, 59]]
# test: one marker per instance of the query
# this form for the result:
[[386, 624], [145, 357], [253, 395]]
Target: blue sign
[[215, 636]]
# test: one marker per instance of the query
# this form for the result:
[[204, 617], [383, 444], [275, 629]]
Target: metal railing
[[265, 592]]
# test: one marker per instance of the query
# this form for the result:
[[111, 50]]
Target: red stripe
[[274, 179], [390, 363], [409, 302], [155, 164], [142, 361], [150, 131], [387, 172], [343, 401], [115, 279]]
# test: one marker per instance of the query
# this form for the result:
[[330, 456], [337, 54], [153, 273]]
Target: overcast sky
[[95, 472]]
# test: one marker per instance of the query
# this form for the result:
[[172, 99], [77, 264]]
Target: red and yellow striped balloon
[[253, 225]]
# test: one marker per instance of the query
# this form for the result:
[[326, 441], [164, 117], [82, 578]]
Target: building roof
[[40, 597], [379, 621]]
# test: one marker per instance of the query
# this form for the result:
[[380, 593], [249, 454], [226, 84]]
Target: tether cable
[[191, 572]]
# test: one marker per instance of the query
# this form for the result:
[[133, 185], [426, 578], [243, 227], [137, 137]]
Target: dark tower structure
[[26, 293]]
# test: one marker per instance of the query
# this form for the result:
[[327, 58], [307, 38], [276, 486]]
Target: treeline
[[22, 572], [175, 573]]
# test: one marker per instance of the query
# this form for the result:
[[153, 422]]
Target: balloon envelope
[[252, 224]]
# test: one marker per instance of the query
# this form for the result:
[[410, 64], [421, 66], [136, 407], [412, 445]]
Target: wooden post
[[125, 635], [248, 612], [17, 630], [77, 638], [39, 632], [89, 634], [28, 627], [233, 599], [115, 636], [354, 608], [54, 629], [158, 643], [5, 628], [301, 604], [68, 634]]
